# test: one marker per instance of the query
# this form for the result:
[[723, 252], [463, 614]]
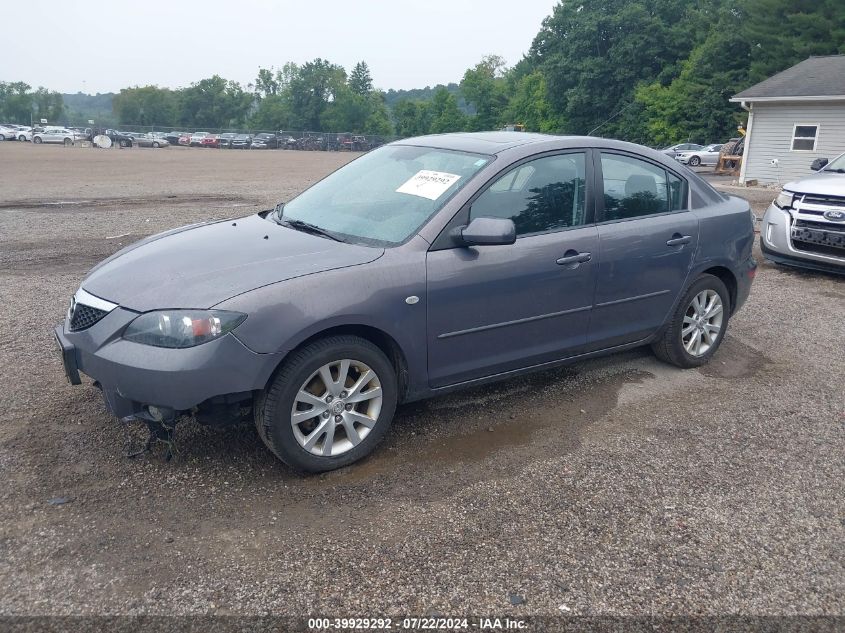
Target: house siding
[[771, 137]]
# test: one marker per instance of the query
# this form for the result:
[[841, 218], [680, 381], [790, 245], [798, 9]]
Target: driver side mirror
[[819, 163], [488, 232]]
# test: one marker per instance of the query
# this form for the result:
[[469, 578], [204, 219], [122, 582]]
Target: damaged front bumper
[[158, 383]]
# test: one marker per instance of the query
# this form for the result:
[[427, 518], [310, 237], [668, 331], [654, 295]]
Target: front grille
[[823, 201], [821, 226], [819, 237], [84, 316]]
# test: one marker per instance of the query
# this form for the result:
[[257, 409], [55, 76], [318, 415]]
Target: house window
[[804, 138]]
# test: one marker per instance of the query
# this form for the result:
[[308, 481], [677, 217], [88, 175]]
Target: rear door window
[[635, 188]]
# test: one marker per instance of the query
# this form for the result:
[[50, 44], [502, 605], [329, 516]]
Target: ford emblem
[[835, 215]]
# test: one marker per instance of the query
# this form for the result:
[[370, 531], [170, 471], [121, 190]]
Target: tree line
[[649, 71]]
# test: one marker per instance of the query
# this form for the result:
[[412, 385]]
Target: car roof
[[498, 142]]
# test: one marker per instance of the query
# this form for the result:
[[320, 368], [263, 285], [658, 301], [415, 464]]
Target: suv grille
[[823, 201], [819, 237], [84, 316]]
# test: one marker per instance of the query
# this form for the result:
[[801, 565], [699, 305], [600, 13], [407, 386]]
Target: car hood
[[201, 265], [822, 183]]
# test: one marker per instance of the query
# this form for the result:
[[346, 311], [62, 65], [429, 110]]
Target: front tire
[[156, 145], [22, 138], [68, 142], [329, 404], [37, 140], [695, 161], [697, 326]]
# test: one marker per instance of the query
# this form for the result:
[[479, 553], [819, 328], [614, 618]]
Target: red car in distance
[[212, 140]]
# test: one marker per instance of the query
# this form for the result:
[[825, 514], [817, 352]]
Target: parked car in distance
[[121, 139], [805, 225], [54, 135], [185, 139], [24, 133], [196, 138], [681, 147], [265, 140], [708, 155], [241, 141], [149, 140], [210, 140], [8, 133], [224, 140], [428, 265], [173, 137]]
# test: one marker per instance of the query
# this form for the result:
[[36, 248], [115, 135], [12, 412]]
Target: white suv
[[805, 225]]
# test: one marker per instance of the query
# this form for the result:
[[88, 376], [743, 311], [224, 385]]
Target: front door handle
[[575, 258], [679, 240]]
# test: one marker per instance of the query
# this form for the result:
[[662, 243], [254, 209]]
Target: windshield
[[385, 196], [837, 164]]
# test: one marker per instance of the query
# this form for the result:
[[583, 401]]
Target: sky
[[104, 45]]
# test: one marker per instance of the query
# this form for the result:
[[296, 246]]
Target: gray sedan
[[149, 140], [427, 265]]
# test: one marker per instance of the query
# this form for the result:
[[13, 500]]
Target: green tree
[[529, 104], [48, 105], [695, 106], [593, 54], [360, 81], [15, 102], [312, 89], [215, 103], [445, 114], [147, 105], [782, 33], [484, 87]]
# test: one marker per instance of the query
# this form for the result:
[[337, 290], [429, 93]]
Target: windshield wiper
[[307, 227]]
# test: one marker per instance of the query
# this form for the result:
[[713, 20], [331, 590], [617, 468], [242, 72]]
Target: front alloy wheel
[[329, 404], [695, 161], [336, 407]]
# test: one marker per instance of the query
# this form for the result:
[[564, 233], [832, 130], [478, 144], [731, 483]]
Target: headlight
[[784, 200], [181, 328]]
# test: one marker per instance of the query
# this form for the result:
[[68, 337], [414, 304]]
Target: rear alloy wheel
[[697, 326], [695, 161], [2, 137], [329, 405], [68, 142]]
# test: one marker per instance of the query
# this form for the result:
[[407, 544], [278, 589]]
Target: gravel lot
[[619, 486]]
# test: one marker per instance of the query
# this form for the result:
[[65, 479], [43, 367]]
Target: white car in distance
[[708, 155]]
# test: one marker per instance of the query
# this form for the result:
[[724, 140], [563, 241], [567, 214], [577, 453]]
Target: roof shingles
[[814, 77]]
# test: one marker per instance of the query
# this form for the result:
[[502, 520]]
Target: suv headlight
[[784, 200], [181, 328]]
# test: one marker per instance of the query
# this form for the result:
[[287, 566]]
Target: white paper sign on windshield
[[428, 184]]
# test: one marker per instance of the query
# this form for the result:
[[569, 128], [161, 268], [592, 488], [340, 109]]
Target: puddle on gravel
[[466, 429], [735, 359]]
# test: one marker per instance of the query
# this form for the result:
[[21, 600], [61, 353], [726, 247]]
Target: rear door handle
[[577, 258], [678, 241]]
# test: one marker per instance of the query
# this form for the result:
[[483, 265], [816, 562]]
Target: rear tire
[[322, 442], [68, 142], [691, 338]]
